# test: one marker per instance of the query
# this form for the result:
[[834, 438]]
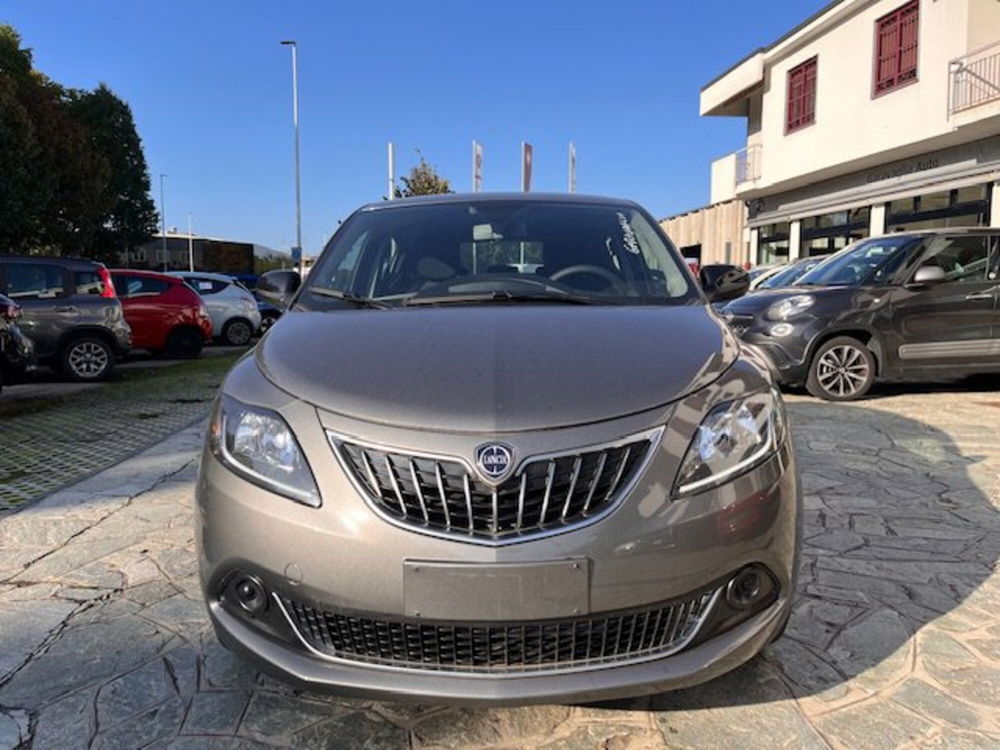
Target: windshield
[[872, 261], [790, 275], [492, 250]]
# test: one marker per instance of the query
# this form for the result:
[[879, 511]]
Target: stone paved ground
[[48, 442], [895, 640]]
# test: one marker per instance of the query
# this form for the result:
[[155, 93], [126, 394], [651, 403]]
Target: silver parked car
[[232, 308], [499, 450]]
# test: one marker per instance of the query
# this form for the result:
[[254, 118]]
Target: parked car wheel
[[237, 332], [87, 358], [843, 369], [267, 320], [184, 343]]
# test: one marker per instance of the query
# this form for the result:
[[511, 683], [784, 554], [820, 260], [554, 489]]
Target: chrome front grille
[[545, 645], [444, 495]]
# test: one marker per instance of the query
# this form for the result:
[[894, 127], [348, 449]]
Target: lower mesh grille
[[657, 630]]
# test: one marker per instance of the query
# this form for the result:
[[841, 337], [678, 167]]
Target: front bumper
[[788, 356], [690, 667]]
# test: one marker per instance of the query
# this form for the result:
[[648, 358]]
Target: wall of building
[[717, 229], [851, 124]]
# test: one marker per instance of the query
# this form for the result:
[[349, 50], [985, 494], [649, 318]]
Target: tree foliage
[[73, 177], [423, 180]]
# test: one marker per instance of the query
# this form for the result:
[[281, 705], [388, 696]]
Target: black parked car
[[904, 306], [70, 311], [17, 353]]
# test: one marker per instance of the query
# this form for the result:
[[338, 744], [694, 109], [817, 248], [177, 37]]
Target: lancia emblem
[[495, 461]]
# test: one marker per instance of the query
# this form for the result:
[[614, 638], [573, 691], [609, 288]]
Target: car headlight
[[258, 444], [790, 307], [733, 437]]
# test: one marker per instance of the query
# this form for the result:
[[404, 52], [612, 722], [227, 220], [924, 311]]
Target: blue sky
[[210, 87]]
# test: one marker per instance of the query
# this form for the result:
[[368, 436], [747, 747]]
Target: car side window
[[963, 258], [138, 286], [206, 286], [88, 282], [34, 281]]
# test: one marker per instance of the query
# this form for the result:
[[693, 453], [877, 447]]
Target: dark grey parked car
[[500, 449], [70, 311]]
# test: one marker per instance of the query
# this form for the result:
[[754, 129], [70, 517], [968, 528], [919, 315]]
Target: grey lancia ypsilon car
[[499, 450]]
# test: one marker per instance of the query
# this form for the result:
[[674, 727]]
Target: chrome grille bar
[[468, 501], [520, 500], [577, 463], [443, 495], [417, 491], [548, 492], [395, 485], [594, 481]]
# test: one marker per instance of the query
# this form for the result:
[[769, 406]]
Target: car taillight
[[108, 292], [10, 312]]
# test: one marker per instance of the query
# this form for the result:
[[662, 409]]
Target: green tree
[[126, 216], [423, 180], [73, 178]]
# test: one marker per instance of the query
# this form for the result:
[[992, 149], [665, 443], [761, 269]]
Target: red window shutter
[[801, 107], [896, 45]]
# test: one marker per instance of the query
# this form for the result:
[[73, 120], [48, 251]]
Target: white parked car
[[233, 310]]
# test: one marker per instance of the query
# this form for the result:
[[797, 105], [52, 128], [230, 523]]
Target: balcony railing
[[748, 164], [974, 79]]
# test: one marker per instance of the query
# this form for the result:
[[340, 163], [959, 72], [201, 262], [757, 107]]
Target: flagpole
[[392, 171]]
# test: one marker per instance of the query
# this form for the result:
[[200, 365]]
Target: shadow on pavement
[[899, 535]]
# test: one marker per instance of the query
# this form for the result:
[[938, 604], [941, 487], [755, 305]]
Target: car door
[[949, 323], [142, 299], [41, 289]]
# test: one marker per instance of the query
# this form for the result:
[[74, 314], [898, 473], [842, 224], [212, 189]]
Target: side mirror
[[928, 275], [723, 282], [278, 287]]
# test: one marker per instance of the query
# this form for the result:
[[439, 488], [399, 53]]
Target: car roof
[[568, 198], [202, 275], [71, 263], [939, 231], [147, 274]]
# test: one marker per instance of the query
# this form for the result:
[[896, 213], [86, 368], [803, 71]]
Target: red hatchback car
[[165, 314]]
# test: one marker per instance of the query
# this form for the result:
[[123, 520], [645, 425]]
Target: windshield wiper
[[355, 299], [500, 296]]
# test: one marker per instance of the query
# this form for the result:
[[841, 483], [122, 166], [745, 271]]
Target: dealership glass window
[[962, 207], [772, 243], [827, 233]]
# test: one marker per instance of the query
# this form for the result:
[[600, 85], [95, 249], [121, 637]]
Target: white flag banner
[[572, 168], [526, 157], [477, 167]]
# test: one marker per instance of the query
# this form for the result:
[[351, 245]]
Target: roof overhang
[[727, 95]]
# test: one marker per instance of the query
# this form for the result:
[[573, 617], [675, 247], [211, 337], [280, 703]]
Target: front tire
[[237, 332], [87, 359], [842, 369], [184, 343]]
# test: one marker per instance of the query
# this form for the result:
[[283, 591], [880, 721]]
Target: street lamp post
[[295, 119], [163, 223]]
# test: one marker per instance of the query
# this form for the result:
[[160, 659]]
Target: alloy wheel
[[88, 360], [842, 370], [238, 333]]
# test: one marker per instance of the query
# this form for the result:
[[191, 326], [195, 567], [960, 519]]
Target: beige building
[[872, 116], [713, 234]]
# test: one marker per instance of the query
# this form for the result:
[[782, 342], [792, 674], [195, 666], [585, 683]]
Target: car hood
[[495, 368], [755, 302]]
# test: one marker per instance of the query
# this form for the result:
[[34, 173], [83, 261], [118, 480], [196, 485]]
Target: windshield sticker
[[628, 235]]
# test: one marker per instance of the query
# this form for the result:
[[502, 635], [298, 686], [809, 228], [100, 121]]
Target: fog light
[[250, 595], [745, 588], [780, 329]]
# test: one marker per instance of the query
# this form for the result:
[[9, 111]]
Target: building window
[[828, 233], [801, 109], [963, 207], [772, 243], [896, 48]]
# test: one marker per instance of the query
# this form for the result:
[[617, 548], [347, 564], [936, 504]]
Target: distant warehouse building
[[713, 234], [869, 117], [204, 253]]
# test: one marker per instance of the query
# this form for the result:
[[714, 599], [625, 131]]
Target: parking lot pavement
[[53, 433], [895, 639]]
